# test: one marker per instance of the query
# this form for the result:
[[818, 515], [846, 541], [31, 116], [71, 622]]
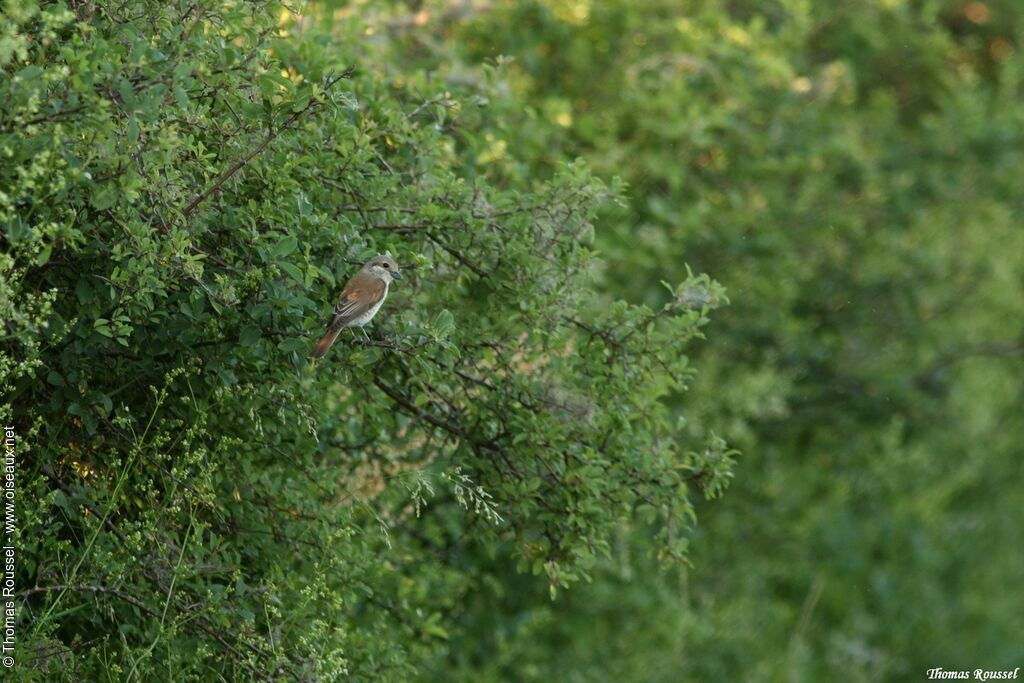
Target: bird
[[360, 300]]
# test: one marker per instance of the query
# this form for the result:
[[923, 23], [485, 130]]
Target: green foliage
[[850, 172], [502, 483], [184, 190]]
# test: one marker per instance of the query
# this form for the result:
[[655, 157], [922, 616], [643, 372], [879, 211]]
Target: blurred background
[[851, 171]]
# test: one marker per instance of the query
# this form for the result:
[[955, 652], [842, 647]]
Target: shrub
[[184, 191]]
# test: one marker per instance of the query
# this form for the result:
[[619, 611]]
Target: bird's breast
[[366, 317]]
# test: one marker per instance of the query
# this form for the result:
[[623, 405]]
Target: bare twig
[[443, 101]]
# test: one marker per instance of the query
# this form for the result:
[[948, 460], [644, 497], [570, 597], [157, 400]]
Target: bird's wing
[[362, 293]]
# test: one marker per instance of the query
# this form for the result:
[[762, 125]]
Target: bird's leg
[[365, 336]]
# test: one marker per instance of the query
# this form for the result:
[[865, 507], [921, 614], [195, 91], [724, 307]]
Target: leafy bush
[[850, 172], [185, 189]]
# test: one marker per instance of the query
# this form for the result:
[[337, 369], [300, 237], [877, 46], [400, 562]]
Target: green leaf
[[181, 96], [44, 255], [103, 197], [285, 246], [292, 271], [444, 323], [249, 335], [294, 345], [301, 102], [83, 291]]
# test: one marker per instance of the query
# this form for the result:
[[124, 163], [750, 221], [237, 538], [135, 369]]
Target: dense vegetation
[[513, 479]]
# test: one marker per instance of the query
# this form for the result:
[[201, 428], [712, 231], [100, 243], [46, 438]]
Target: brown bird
[[360, 300]]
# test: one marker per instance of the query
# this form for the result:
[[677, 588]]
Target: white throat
[[382, 273]]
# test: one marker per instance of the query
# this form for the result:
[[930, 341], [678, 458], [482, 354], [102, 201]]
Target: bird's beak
[[395, 274]]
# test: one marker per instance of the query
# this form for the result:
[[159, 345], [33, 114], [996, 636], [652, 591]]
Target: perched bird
[[360, 300]]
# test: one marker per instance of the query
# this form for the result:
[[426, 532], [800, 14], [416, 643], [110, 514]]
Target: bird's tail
[[325, 343]]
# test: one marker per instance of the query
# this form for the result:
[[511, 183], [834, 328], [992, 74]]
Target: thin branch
[[273, 135], [454, 430], [443, 101], [131, 599], [458, 257]]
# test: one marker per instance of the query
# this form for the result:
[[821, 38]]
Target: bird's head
[[384, 267]]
